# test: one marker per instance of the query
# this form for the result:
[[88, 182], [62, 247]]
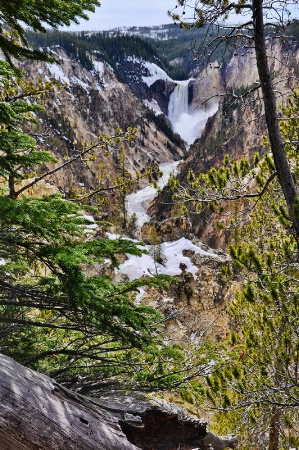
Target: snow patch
[[134, 59], [155, 73], [136, 200], [99, 67], [99, 71], [57, 73], [81, 83], [171, 253], [89, 228], [153, 105], [139, 296]]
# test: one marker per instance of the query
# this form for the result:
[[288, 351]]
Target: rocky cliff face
[[195, 306], [94, 103], [89, 104], [237, 127], [147, 80], [241, 71], [206, 89]]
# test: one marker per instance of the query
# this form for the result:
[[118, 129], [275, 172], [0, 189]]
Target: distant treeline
[[293, 30], [180, 52], [72, 43], [112, 49]]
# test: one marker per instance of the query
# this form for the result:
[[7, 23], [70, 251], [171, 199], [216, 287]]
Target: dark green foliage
[[59, 312], [263, 358], [115, 46], [118, 48], [293, 30], [188, 47], [20, 14], [72, 43], [113, 50]]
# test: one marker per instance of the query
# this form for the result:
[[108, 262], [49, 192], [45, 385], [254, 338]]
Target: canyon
[[188, 122], [177, 125]]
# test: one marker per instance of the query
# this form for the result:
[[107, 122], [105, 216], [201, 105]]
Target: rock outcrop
[[147, 81], [196, 304], [207, 88], [89, 104]]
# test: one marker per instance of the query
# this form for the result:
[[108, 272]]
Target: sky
[[119, 13]]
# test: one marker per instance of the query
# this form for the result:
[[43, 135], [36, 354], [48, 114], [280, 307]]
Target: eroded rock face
[[196, 304], [167, 230], [242, 69], [205, 91], [242, 72], [89, 104], [133, 72]]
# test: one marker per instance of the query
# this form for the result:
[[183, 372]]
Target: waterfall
[[178, 102], [187, 122]]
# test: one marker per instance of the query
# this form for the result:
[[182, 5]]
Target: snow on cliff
[[155, 73], [170, 256]]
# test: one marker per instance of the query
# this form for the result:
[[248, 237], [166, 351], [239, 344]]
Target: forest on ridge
[[106, 338]]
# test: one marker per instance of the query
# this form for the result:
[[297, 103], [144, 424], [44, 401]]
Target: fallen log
[[39, 414]]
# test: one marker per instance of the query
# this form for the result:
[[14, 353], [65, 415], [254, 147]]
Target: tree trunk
[[274, 432], [277, 147], [38, 414]]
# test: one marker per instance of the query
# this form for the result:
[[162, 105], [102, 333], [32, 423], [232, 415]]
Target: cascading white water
[[136, 200], [188, 123], [178, 102]]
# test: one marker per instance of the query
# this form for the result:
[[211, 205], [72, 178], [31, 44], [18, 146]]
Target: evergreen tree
[[55, 316], [250, 33], [256, 383], [18, 15]]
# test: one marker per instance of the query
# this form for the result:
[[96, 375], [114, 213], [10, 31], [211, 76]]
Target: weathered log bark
[[38, 414], [220, 442]]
